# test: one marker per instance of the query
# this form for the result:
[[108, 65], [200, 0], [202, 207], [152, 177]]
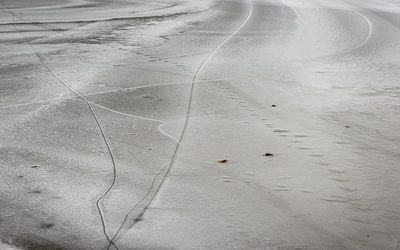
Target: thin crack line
[[168, 167], [102, 92], [96, 120]]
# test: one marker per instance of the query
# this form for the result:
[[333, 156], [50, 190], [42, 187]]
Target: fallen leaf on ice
[[222, 161], [268, 154]]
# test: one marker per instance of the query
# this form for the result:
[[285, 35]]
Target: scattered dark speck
[[46, 225], [273, 105], [347, 126], [280, 131], [138, 219], [317, 155], [301, 136], [34, 166], [268, 154]]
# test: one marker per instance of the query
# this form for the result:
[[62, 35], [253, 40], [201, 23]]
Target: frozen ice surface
[[313, 83]]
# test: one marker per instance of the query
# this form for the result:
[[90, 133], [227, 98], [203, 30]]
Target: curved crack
[[101, 130], [146, 200]]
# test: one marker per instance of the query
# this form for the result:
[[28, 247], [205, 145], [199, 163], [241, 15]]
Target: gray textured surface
[[331, 68]]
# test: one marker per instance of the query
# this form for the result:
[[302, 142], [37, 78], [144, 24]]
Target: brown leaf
[[268, 154], [222, 161]]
